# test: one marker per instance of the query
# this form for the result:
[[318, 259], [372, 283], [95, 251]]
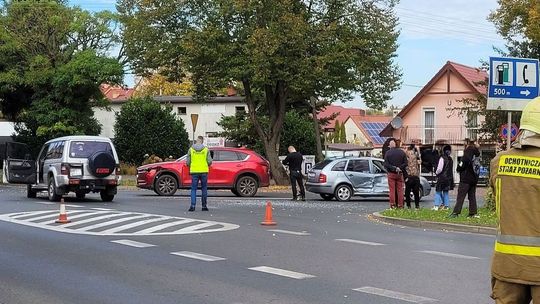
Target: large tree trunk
[[276, 100], [319, 157]]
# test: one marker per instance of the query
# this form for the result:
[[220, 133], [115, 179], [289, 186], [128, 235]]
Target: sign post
[[194, 120], [513, 82]]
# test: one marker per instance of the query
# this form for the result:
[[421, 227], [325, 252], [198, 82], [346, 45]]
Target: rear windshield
[[85, 149], [322, 164]]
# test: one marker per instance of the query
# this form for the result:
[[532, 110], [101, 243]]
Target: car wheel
[[326, 196], [343, 193], [166, 185], [105, 196], [30, 193], [233, 190], [246, 186], [80, 195], [51, 190]]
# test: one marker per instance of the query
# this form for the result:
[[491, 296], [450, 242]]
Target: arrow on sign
[[526, 92]]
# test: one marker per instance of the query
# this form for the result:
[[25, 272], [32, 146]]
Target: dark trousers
[[469, 190], [297, 178], [395, 185], [412, 184]]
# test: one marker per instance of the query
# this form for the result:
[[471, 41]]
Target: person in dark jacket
[[468, 179], [445, 179], [294, 160], [395, 162]]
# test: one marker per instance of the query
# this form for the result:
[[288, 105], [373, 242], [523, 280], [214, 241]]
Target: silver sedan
[[344, 178]]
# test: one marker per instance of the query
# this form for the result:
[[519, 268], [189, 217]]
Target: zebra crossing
[[113, 222]]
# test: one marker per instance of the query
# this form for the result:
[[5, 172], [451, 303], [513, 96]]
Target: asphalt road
[[148, 249]]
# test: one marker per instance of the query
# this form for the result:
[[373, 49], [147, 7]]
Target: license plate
[[75, 172]]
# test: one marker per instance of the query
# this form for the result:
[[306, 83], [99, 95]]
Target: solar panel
[[373, 129]]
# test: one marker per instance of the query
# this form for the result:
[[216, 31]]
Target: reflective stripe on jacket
[[199, 163], [515, 178]]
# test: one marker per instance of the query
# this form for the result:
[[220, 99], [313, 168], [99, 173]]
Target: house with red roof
[[341, 114], [432, 118]]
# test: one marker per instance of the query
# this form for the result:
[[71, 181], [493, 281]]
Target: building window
[[241, 110], [472, 125], [429, 126], [182, 111]]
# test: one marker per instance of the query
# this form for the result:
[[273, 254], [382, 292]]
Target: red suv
[[241, 170]]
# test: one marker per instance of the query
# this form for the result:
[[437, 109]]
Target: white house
[[209, 113]]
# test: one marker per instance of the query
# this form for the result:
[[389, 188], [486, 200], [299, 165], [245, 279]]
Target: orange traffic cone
[[62, 219], [268, 221]]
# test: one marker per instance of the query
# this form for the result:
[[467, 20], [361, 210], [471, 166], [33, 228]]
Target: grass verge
[[487, 218]]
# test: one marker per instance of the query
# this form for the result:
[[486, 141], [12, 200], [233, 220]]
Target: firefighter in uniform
[[515, 179]]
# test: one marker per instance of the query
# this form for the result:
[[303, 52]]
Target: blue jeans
[[442, 198], [195, 177]]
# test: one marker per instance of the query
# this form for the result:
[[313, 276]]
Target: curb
[[435, 225]]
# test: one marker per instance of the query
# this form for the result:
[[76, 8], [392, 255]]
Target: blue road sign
[[513, 82]]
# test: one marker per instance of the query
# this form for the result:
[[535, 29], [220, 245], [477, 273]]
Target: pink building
[[430, 119]]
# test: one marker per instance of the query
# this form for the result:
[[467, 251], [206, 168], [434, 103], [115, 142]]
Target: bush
[[145, 127], [127, 169], [489, 201]]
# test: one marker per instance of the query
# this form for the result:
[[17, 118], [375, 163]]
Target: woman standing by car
[[445, 180]]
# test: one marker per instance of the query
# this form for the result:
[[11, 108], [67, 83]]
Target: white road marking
[[113, 222], [116, 223], [132, 225], [360, 242], [103, 209], [133, 243], [70, 216], [451, 255], [92, 219], [164, 226], [45, 203], [282, 272], [303, 233], [19, 215], [395, 295], [198, 256], [74, 206]]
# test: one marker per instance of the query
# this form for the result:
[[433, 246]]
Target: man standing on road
[[469, 170], [395, 162], [294, 161], [412, 183], [515, 180], [199, 161]]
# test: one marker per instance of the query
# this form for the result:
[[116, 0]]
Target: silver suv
[[344, 178], [79, 164]]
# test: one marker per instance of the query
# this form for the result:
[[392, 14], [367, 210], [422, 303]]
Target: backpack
[[476, 165]]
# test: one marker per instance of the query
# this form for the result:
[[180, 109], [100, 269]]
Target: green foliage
[[143, 126], [488, 218], [52, 62], [489, 200], [281, 51], [337, 132], [343, 134], [518, 22], [297, 132]]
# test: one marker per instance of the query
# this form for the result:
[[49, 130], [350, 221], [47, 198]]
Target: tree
[[143, 126], [297, 131], [342, 134], [518, 22], [156, 85], [52, 61], [279, 50]]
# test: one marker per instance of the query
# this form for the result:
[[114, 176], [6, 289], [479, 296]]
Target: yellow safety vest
[[199, 163]]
